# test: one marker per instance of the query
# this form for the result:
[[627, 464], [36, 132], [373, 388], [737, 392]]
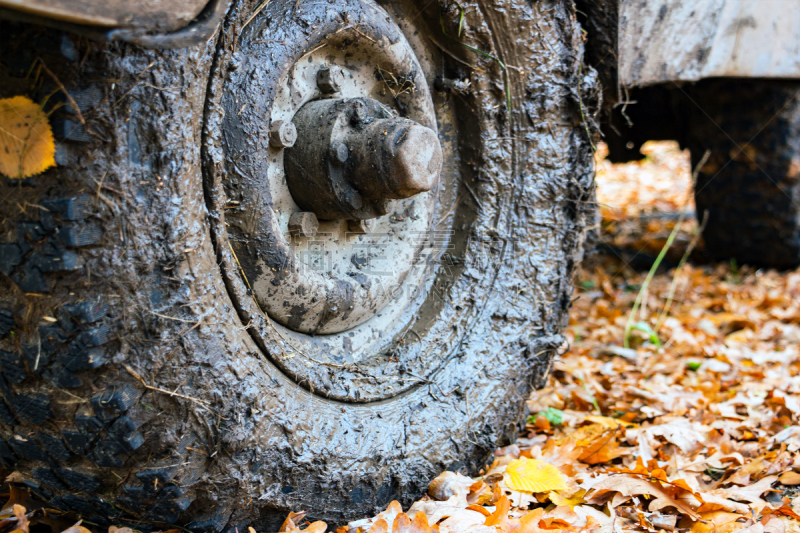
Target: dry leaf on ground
[[26, 138]]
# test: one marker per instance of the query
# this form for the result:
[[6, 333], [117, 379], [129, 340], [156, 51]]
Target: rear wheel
[[247, 288], [750, 184]]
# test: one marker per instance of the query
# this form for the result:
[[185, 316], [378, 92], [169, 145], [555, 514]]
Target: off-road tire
[[132, 391], [750, 185]]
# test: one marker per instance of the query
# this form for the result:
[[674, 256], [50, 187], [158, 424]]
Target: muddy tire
[[750, 184], [141, 382]]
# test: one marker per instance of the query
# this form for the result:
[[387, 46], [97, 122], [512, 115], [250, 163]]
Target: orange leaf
[[554, 523], [717, 522], [380, 526], [529, 523], [479, 508], [629, 485], [77, 528], [784, 510], [22, 519], [292, 521], [403, 524], [790, 478], [500, 515], [316, 527]]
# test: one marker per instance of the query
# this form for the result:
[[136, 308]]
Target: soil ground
[[674, 407]]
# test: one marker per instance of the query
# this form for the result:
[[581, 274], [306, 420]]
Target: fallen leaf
[[790, 478], [392, 510], [78, 528], [755, 528], [436, 511], [628, 485], [380, 526], [750, 494], [465, 520], [404, 524], [663, 521], [499, 517], [22, 519], [717, 522], [448, 484], [292, 521], [532, 475], [571, 502], [783, 510], [610, 423], [26, 138], [529, 522], [774, 525]]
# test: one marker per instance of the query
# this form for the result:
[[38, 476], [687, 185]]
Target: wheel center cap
[[353, 155]]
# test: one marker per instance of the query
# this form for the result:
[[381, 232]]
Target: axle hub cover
[[353, 156]]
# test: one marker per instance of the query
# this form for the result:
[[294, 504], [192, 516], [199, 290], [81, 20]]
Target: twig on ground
[[72, 102], [202, 403]]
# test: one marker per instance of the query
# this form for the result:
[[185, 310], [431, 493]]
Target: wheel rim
[[379, 333]]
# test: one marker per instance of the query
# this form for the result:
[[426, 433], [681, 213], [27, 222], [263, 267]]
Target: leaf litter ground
[[693, 427]]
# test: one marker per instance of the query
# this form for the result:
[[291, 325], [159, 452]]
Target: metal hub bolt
[[339, 153], [282, 134], [330, 79], [360, 113], [303, 224]]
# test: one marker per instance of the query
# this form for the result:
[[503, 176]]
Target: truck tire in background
[[750, 184], [157, 370]]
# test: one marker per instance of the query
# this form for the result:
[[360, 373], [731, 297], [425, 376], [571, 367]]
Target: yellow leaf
[[571, 502], [532, 475], [26, 138]]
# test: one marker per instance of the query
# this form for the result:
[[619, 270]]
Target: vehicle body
[[720, 78]]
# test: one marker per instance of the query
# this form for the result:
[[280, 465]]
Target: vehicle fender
[[675, 40]]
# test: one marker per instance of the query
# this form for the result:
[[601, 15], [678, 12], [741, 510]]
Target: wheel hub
[[354, 155]]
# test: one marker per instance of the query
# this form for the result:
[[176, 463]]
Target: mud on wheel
[[307, 265]]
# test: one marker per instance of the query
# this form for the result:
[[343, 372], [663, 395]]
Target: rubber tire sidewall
[[252, 444]]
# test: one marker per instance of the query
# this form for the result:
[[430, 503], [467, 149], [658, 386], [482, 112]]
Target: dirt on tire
[[133, 390]]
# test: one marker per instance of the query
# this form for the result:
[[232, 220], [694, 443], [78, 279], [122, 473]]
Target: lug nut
[[339, 153], [283, 134], [359, 226], [360, 113], [330, 79], [303, 224]]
